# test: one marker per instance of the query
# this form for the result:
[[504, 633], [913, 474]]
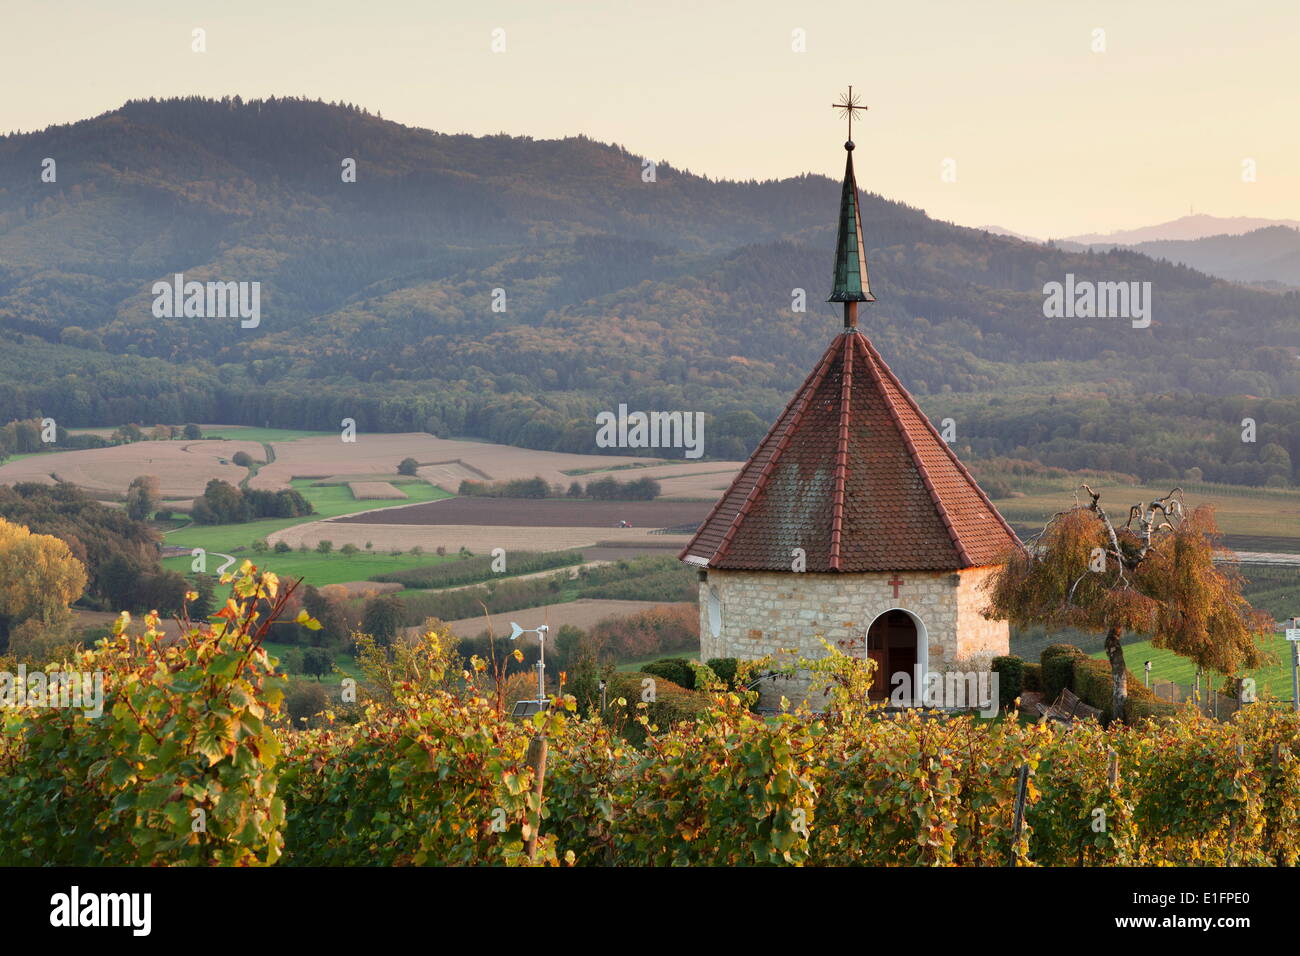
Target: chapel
[[853, 522]]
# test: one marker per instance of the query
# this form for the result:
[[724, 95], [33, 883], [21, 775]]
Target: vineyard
[[192, 764]]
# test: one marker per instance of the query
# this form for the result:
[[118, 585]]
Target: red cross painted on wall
[[896, 583]]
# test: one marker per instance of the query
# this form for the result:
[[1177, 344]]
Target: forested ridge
[[376, 297]]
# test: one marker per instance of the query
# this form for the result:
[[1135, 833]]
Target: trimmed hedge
[[1011, 671], [725, 668], [1057, 662], [672, 703], [675, 669], [1092, 682], [1032, 676]]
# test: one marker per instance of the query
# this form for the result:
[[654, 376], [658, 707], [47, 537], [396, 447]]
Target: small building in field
[[852, 522]]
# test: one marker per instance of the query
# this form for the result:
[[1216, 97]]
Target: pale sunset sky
[[1049, 137]]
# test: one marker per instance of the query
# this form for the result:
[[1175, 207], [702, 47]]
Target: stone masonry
[[751, 614]]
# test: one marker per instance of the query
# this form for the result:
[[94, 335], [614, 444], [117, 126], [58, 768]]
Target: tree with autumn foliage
[[39, 578], [1155, 575]]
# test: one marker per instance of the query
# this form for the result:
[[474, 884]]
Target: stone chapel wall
[[763, 613]]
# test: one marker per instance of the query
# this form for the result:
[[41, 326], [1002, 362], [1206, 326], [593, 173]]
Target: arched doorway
[[896, 642]]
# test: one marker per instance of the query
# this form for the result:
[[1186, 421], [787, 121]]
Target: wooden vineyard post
[[1232, 837], [536, 759], [1277, 780], [1018, 821]]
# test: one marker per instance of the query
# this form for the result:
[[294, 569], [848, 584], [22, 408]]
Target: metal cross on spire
[[846, 106]]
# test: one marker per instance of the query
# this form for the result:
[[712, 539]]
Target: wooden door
[[891, 643]]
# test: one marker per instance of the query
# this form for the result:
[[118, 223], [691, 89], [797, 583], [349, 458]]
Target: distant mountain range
[[510, 288], [1264, 256], [1261, 252], [1199, 226]]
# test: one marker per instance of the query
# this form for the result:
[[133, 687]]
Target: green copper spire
[[851, 283]]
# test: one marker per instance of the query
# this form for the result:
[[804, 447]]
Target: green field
[[1273, 680], [342, 660], [330, 501], [262, 434], [319, 569]]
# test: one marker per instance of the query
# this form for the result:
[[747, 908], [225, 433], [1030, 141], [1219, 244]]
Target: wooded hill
[[376, 295]]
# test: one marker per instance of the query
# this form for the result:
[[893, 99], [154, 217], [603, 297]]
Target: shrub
[[36, 642], [725, 668], [1011, 671], [1032, 676], [1057, 662], [303, 701], [675, 669], [430, 772], [324, 547], [1092, 682], [672, 703], [407, 466], [283, 547]]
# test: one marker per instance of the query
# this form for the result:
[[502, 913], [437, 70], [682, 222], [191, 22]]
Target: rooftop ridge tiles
[[841, 456]]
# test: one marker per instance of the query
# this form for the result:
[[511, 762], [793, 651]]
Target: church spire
[[851, 285]]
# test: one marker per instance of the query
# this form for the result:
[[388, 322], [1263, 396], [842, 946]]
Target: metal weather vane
[[847, 106]]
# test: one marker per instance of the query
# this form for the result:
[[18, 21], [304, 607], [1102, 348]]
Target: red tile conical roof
[[855, 475]]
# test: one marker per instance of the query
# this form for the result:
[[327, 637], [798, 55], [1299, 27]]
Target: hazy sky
[[1048, 137]]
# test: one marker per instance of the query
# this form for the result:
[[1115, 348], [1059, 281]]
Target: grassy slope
[[1270, 680]]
